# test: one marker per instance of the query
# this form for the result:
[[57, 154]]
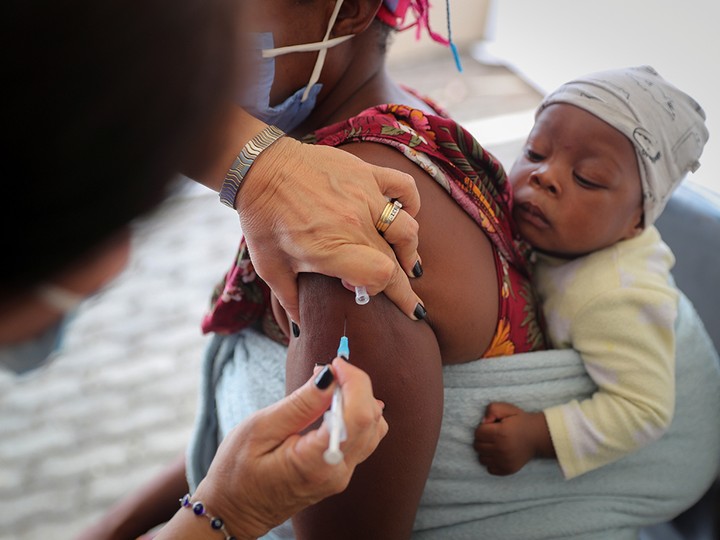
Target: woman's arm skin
[[402, 357], [313, 209], [403, 360]]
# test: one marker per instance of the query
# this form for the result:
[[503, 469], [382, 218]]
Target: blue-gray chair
[[690, 225]]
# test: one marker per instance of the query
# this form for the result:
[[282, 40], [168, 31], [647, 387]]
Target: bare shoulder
[[459, 284]]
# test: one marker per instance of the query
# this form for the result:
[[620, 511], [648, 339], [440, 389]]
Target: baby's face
[[576, 186]]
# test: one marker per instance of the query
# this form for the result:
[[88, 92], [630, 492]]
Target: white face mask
[[34, 353], [295, 109]]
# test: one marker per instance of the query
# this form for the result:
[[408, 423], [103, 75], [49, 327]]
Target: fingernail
[[295, 329], [417, 269], [420, 312], [324, 378], [343, 358]]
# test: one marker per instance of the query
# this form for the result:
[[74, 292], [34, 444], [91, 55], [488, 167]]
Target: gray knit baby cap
[[665, 125]]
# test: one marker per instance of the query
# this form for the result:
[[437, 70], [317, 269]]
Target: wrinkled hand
[[265, 471], [508, 437], [307, 208]]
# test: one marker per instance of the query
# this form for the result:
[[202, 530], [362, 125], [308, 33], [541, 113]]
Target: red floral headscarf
[[394, 13]]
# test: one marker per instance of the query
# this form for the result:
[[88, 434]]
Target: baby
[[605, 154]]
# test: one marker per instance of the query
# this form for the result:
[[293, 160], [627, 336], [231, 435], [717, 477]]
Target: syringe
[[361, 295], [334, 416]]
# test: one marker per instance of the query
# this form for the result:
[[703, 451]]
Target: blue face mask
[[295, 109], [29, 355], [256, 99]]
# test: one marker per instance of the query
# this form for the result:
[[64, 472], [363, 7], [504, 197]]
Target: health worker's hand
[[265, 470], [307, 208]]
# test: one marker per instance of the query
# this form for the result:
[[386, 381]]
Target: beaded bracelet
[[242, 163], [198, 509]]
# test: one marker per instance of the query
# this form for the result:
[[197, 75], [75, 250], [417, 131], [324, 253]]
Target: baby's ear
[[355, 16], [639, 226]]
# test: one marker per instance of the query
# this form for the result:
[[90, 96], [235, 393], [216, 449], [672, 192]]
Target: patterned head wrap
[[665, 125], [394, 13]]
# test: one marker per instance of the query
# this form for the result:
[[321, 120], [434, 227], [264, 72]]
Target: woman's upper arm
[[403, 360]]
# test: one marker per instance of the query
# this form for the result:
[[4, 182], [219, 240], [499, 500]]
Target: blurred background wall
[[551, 41]]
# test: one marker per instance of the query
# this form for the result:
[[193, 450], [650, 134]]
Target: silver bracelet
[[242, 163]]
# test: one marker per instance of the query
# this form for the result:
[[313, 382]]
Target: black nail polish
[[295, 329], [420, 312], [417, 269], [324, 378]]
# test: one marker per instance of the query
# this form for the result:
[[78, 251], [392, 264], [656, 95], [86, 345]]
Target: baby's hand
[[508, 437]]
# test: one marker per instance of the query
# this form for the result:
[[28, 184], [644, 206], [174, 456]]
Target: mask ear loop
[[305, 47], [315, 76], [321, 46], [58, 298]]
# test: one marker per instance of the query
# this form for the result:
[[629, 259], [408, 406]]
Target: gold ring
[[389, 213]]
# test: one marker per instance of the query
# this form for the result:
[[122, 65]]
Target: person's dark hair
[[104, 99], [385, 33]]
